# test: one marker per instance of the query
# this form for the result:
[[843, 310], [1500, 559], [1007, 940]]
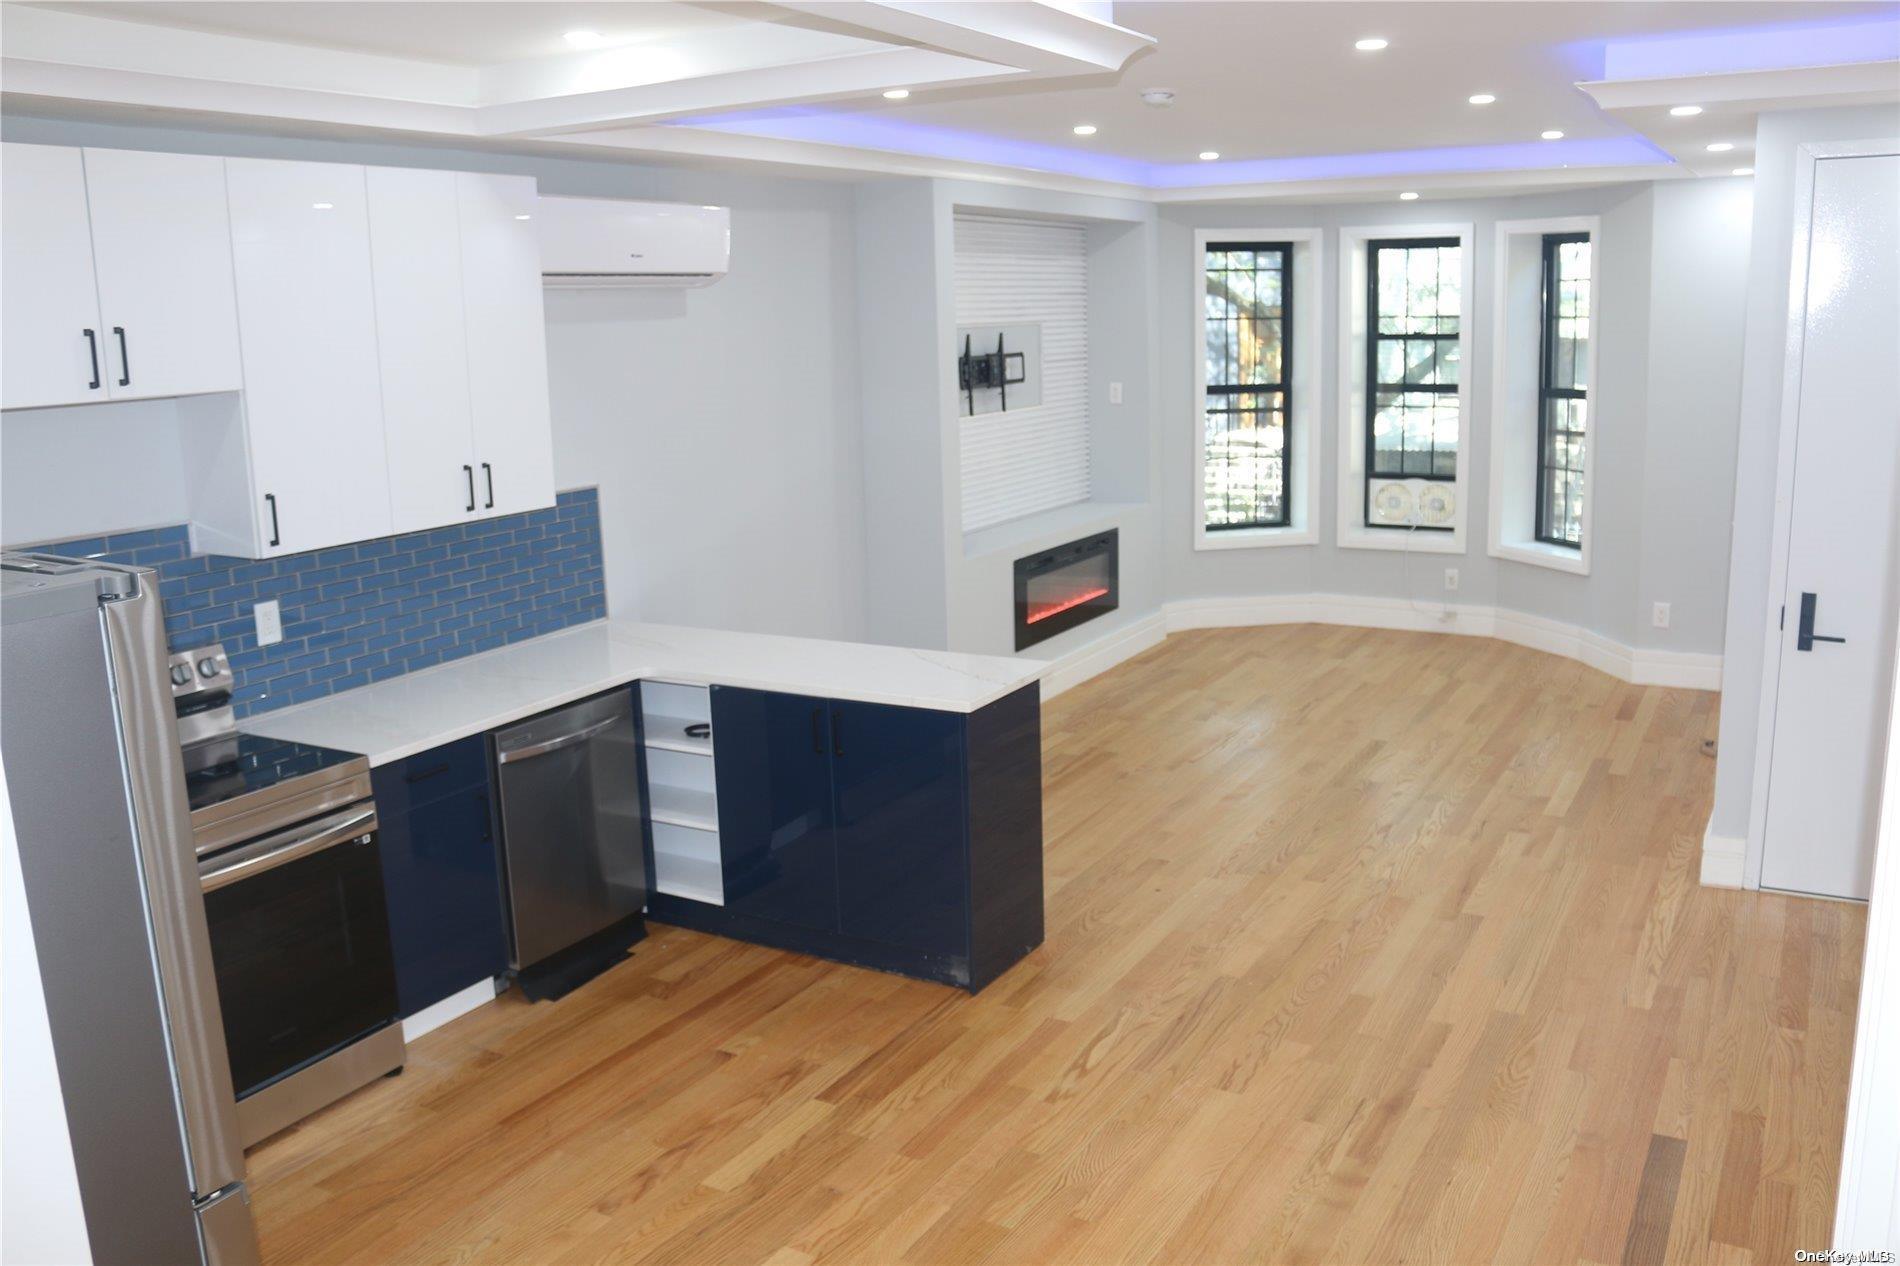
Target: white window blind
[[1013, 272]]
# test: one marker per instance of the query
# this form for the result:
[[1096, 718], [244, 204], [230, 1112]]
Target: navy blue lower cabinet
[[772, 764], [904, 839], [441, 871], [898, 787]]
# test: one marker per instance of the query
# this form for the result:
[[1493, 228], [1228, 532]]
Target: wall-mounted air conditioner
[[597, 242]]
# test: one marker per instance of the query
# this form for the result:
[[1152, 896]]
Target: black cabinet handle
[[421, 774], [470, 472], [699, 729], [92, 350], [1805, 636], [837, 735], [276, 538], [125, 358], [818, 731], [488, 473]]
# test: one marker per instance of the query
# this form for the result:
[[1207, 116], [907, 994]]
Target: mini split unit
[[592, 243]]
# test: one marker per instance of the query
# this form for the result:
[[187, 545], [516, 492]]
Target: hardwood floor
[[1363, 946]]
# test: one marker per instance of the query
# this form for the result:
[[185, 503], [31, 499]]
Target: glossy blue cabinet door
[[441, 873], [898, 795], [772, 763]]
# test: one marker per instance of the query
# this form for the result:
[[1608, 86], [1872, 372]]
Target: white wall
[[41, 1218], [1671, 262], [721, 425], [1776, 138]]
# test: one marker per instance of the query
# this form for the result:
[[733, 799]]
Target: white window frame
[[1517, 350], [1303, 430], [1353, 264]]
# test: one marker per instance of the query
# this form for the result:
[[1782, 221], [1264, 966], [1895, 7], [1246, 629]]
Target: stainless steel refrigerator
[[90, 744]]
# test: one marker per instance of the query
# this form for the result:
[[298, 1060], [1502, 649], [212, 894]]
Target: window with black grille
[[1246, 445], [1563, 384], [1415, 310]]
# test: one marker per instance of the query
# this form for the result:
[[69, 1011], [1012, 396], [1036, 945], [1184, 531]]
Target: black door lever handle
[[1805, 636]]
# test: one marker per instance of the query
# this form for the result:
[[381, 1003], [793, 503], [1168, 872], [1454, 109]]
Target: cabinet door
[[161, 240], [307, 316], [51, 341], [415, 252], [442, 875], [507, 343], [772, 767], [898, 797]]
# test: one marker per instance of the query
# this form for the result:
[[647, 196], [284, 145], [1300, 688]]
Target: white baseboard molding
[[1104, 653], [1638, 665], [1724, 860], [453, 1007]]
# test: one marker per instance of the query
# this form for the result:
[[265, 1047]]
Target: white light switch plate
[[270, 624], [1114, 393]]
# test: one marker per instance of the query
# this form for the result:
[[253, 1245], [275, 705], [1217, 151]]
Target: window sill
[[1255, 538], [1538, 554], [1403, 542]]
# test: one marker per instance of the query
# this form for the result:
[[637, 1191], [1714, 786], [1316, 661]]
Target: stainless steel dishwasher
[[573, 840]]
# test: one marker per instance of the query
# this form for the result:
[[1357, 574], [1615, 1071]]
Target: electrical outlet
[[1114, 393], [270, 623], [1659, 615], [1451, 580]]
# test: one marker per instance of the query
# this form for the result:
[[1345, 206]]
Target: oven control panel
[[203, 668]]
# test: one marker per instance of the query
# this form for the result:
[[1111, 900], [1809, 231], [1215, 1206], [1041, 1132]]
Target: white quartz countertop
[[391, 719]]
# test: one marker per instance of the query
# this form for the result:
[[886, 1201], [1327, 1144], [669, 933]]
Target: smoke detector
[[1159, 98]]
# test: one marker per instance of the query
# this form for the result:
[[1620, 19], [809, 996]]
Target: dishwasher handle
[[556, 744]]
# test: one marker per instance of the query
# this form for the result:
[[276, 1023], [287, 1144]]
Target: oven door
[[300, 939]]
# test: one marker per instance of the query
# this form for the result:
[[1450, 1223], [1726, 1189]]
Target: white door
[[1830, 724], [415, 247], [51, 341], [307, 321], [161, 240], [507, 343]]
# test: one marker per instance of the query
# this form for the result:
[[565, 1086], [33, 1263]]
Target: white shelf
[[668, 734], [690, 877], [682, 806]]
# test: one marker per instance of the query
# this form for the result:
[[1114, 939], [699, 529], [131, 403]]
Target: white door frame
[[1806, 156]]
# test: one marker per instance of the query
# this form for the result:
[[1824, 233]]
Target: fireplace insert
[[1071, 584]]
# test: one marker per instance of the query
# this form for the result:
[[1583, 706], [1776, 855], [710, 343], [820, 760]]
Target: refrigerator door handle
[[188, 985]]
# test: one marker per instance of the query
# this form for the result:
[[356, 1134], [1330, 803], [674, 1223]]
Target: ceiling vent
[[593, 243]]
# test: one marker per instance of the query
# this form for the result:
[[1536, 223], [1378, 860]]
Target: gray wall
[[1776, 139], [721, 425], [1652, 335]]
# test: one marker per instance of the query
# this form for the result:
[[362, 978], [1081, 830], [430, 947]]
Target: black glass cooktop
[[239, 764]]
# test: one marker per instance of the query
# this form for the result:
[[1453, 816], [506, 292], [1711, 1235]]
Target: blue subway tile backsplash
[[361, 613]]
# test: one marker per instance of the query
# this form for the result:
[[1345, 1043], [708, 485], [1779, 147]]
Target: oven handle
[[556, 744], [281, 852]]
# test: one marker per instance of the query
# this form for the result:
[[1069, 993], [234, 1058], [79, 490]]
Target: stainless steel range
[[286, 840]]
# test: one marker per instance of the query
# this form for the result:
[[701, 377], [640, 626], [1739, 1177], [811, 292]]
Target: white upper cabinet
[[161, 243], [507, 343], [307, 315], [51, 343], [415, 250]]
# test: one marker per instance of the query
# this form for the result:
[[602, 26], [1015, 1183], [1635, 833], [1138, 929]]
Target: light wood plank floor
[[1363, 947]]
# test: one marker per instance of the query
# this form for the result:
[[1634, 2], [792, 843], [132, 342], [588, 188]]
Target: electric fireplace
[[1060, 588]]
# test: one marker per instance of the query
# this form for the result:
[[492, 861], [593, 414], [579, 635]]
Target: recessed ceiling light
[[322, 206], [1552, 135], [524, 216], [1209, 155], [1743, 171], [1685, 112], [1721, 147], [896, 94], [1159, 98], [582, 39], [1481, 98], [1370, 44], [1408, 196], [1085, 129]]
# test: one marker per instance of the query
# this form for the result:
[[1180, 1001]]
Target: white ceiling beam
[[1801, 87], [1044, 38]]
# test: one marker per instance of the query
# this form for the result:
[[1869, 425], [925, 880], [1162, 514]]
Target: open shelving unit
[[681, 800]]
